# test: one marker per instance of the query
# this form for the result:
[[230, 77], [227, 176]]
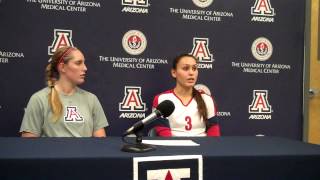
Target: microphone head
[[166, 108]]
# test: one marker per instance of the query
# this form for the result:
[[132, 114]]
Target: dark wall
[[250, 53]]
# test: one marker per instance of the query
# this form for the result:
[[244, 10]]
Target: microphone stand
[[138, 146]]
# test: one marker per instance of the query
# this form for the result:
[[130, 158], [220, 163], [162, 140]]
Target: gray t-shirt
[[82, 115]]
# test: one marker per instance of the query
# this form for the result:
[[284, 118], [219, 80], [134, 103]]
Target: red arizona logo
[[200, 49], [260, 102], [169, 174], [62, 38], [263, 8], [72, 115], [168, 167], [143, 3], [132, 100]]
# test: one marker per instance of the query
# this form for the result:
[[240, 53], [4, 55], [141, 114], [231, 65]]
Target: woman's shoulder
[[167, 92], [42, 92], [86, 93], [206, 97], [40, 95], [161, 96], [164, 94]]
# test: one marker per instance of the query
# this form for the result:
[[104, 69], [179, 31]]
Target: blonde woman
[[63, 109]]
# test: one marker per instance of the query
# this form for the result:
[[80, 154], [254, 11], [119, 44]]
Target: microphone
[[164, 109]]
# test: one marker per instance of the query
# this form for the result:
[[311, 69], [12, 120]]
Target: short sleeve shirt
[[82, 115]]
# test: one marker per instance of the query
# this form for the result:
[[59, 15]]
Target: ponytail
[[202, 108], [52, 75]]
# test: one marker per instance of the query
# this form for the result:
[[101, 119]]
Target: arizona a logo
[[260, 102], [262, 8], [72, 115], [200, 49], [62, 38], [132, 100], [169, 174], [135, 6], [168, 167], [143, 3]]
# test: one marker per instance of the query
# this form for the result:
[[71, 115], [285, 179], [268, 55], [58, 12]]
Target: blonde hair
[[61, 55]]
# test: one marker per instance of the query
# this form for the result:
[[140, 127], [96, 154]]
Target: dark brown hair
[[202, 108]]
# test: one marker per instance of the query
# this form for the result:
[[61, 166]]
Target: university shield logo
[[62, 38], [200, 49], [262, 49], [134, 42], [202, 3], [132, 100]]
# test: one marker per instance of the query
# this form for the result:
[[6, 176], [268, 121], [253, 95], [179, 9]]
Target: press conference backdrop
[[250, 56]]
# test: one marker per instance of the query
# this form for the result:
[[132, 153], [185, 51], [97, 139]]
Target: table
[[101, 158]]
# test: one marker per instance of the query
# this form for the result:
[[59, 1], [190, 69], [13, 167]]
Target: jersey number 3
[[188, 127]]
